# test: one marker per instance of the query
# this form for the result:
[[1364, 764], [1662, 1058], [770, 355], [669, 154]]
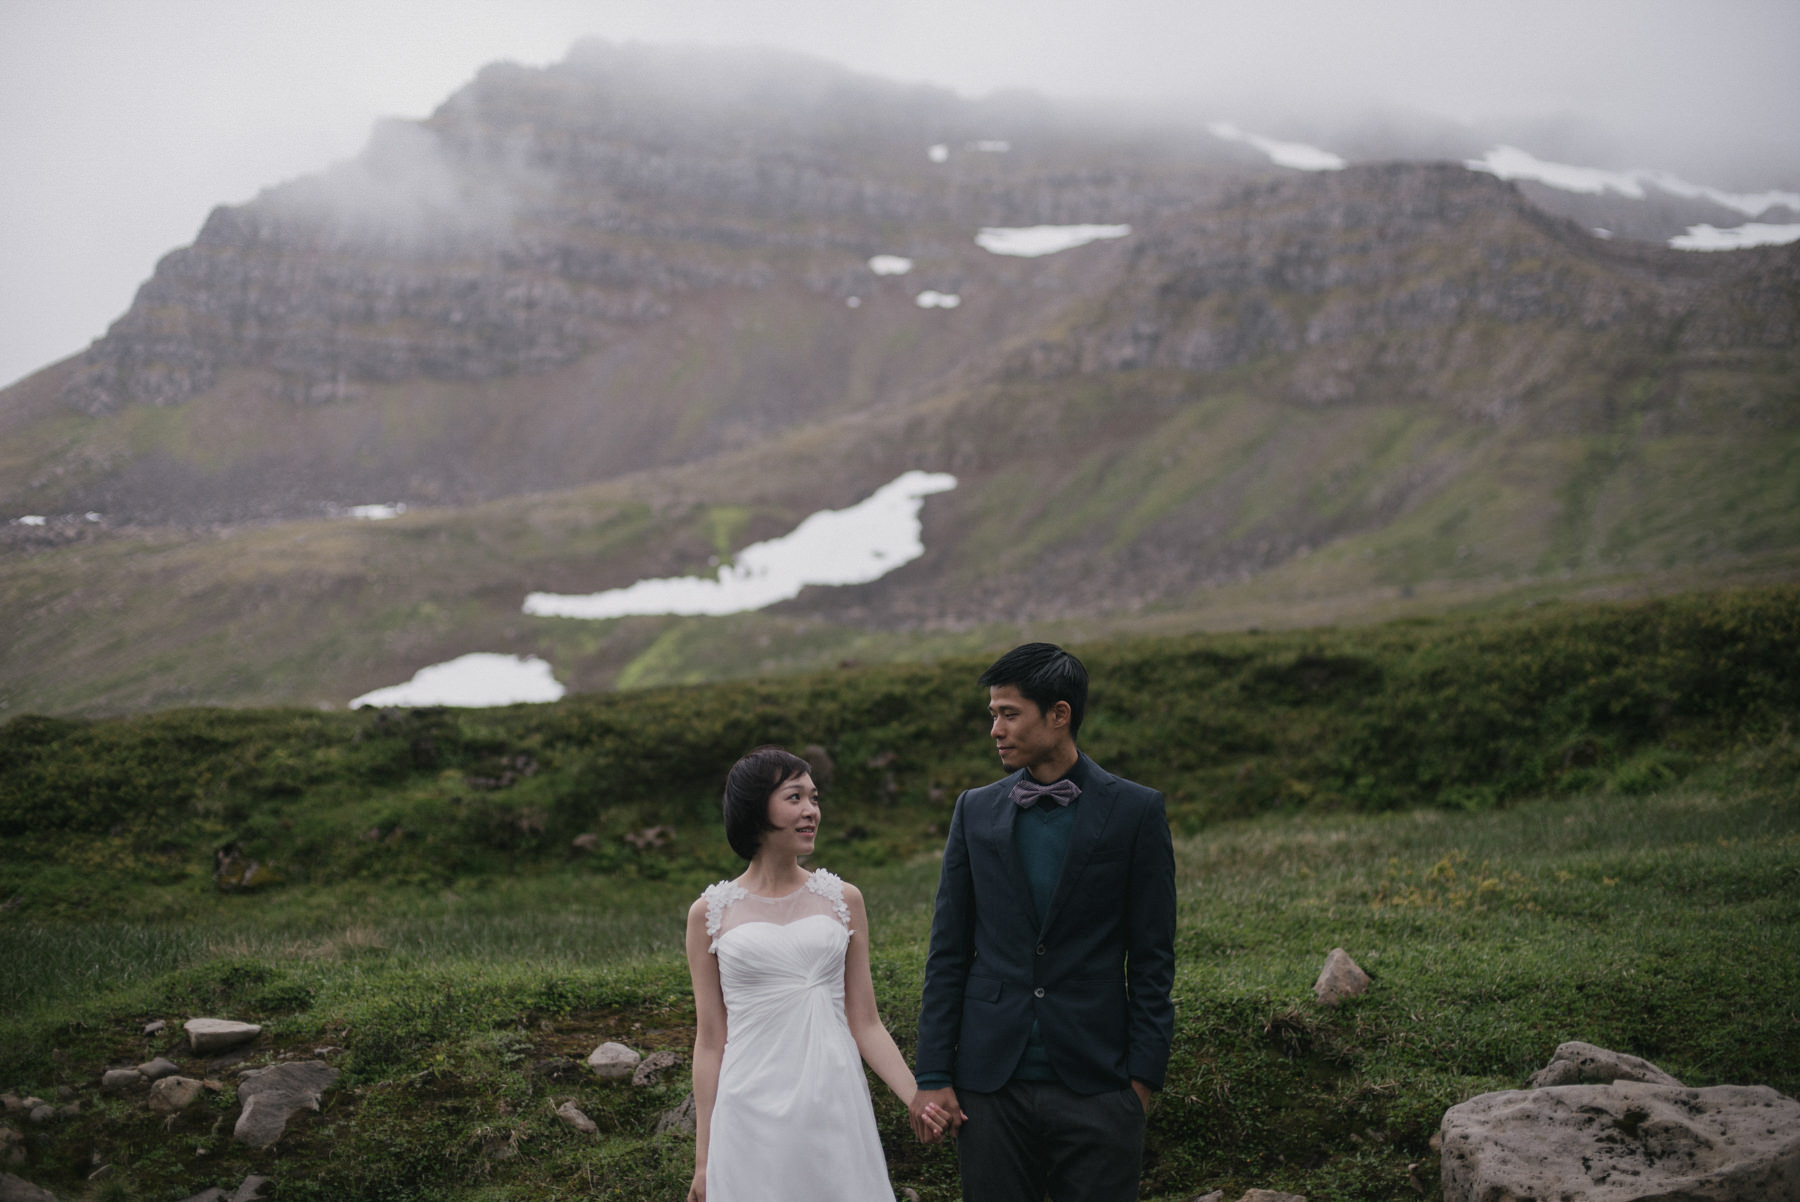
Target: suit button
[[1040, 949], [1038, 992]]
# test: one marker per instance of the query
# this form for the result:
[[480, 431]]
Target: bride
[[784, 1009]]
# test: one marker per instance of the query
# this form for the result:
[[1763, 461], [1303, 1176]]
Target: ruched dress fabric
[[792, 1121]]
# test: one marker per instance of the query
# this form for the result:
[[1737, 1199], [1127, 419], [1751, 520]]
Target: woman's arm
[[872, 1038], [709, 1038]]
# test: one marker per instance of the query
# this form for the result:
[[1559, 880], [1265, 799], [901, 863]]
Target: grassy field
[[1580, 824]]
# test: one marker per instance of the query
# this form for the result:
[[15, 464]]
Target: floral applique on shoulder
[[719, 898], [830, 886]]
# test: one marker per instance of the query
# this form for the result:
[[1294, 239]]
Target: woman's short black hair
[[749, 785], [1044, 674]]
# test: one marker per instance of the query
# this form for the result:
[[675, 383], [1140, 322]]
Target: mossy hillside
[[1660, 920], [1465, 713]]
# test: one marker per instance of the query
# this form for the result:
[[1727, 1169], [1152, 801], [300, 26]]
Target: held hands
[[935, 1114]]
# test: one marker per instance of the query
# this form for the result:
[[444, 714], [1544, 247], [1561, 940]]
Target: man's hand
[[935, 1114], [1143, 1093]]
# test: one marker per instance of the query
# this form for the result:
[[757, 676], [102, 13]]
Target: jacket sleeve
[[1150, 963], [947, 962]]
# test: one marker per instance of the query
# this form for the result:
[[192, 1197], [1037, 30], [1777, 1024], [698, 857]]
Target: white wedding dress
[[792, 1121]]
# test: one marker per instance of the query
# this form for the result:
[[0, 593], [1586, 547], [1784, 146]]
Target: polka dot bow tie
[[1026, 793]]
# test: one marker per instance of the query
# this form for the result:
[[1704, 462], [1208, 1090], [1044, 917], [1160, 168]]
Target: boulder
[[12, 1145], [679, 1120], [155, 1026], [209, 1035], [654, 1066], [249, 1190], [1577, 1063], [1270, 1195], [1341, 977], [12, 1103], [1623, 1142], [156, 1070], [17, 1189], [612, 1061], [271, 1096], [172, 1094], [569, 1113]]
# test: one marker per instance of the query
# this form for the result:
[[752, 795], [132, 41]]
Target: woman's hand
[[697, 1189]]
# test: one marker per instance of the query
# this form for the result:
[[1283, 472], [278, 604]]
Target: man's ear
[[1060, 713]]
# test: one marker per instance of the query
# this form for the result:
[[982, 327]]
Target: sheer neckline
[[804, 886]]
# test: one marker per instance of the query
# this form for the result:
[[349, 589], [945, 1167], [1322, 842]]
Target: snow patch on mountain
[[1297, 155], [1509, 162], [1030, 241], [834, 546], [1755, 233], [478, 679]]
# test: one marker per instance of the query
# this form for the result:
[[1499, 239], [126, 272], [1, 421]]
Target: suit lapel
[[1091, 814]]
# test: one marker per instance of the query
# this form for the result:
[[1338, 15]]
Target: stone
[[215, 1194], [612, 1061], [569, 1113], [679, 1120], [122, 1080], [12, 1103], [17, 1189], [1623, 1142], [250, 1190], [155, 1027], [209, 1035], [43, 1112], [271, 1096], [585, 842], [173, 1094], [1577, 1063], [12, 1145], [1341, 977], [1271, 1195], [1217, 1195], [156, 1070], [650, 1071]]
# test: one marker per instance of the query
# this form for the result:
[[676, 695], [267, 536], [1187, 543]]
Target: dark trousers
[[1036, 1139]]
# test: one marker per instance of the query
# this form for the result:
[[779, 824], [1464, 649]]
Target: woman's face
[[794, 813]]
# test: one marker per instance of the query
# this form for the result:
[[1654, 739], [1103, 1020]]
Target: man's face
[[1024, 734]]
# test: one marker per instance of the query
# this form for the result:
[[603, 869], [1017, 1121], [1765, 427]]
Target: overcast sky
[[123, 122]]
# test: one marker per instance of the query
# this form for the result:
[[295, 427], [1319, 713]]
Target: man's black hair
[[1044, 674], [749, 785]]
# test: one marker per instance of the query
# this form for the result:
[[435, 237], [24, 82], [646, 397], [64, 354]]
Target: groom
[[1046, 1018]]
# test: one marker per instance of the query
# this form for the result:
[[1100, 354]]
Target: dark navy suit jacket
[[1095, 972]]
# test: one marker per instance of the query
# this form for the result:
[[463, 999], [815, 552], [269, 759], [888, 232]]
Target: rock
[[215, 1194], [155, 1027], [1624, 1141], [612, 1061], [209, 1035], [1271, 1195], [1577, 1063], [122, 1080], [1217, 1195], [1340, 978], [17, 1189], [250, 1190], [156, 1070], [271, 1096], [679, 1120], [43, 1112], [172, 1094], [585, 842], [12, 1103], [12, 1145], [570, 1114], [654, 1066]]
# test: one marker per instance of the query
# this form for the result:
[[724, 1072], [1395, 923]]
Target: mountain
[[623, 316]]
